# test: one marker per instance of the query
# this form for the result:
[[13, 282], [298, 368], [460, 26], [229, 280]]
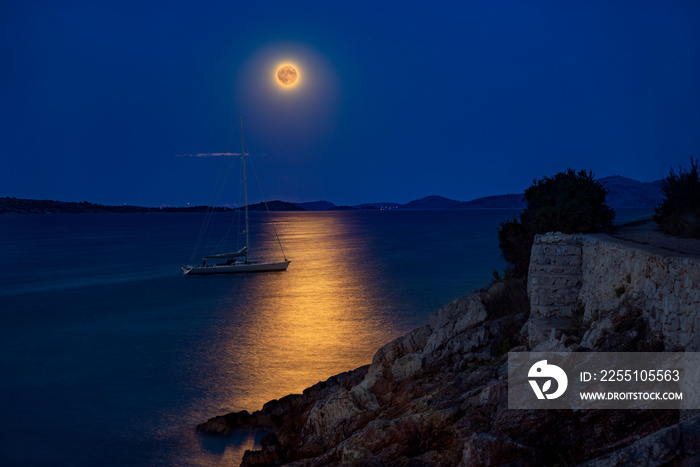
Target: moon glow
[[287, 75]]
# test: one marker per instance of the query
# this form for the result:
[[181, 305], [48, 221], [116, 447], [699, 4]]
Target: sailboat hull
[[236, 268]]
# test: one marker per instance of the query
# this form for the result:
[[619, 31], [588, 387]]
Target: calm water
[[110, 356]]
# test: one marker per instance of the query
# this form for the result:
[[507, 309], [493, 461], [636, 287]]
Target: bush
[[515, 243], [568, 202], [679, 212], [508, 298]]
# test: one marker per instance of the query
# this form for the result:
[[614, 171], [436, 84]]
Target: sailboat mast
[[245, 191]]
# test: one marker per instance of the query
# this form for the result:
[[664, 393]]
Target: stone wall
[[608, 279], [554, 282]]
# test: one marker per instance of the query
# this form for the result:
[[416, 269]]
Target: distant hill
[[328, 206], [316, 205], [628, 193], [431, 202], [622, 193], [276, 205], [510, 201]]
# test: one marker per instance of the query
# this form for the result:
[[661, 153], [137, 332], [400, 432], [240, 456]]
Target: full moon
[[287, 75]]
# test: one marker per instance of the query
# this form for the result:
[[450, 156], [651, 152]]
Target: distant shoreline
[[28, 207], [32, 206], [622, 193]]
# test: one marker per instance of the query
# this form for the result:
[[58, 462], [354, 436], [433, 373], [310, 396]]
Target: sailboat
[[238, 261]]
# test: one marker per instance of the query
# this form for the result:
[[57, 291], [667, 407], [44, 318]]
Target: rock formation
[[438, 395]]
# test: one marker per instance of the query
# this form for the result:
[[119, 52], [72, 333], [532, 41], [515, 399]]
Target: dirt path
[[645, 232]]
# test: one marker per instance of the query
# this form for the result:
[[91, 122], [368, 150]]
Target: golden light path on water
[[279, 333], [316, 320]]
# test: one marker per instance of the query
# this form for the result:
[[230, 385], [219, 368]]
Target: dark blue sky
[[397, 100]]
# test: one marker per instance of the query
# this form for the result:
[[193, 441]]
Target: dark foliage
[[515, 242], [632, 334], [508, 305], [679, 212], [508, 299], [568, 202], [506, 334]]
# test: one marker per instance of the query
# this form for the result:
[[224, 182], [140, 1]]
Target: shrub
[[515, 243], [507, 299], [679, 212], [568, 202]]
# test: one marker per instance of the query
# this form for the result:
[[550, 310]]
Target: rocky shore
[[438, 396]]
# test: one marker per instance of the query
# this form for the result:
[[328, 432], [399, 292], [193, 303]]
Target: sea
[[110, 356]]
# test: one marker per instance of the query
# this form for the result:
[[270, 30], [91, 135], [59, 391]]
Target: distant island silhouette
[[622, 193]]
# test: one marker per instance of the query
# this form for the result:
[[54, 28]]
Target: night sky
[[396, 100]]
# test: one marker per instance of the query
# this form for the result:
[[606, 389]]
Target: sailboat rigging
[[231, 263]]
